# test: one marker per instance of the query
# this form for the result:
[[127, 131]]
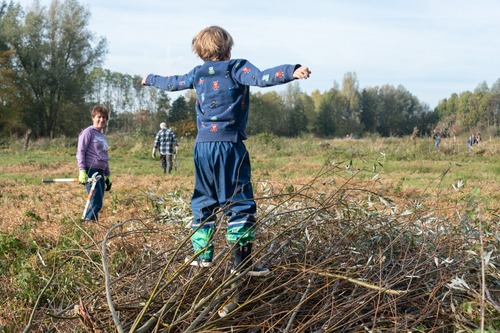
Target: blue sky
[[431, 47]]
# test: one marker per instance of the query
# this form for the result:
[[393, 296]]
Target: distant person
[[437, 137], [92, 157], [478, 138], [167, 146], [471, 141], [222, 163]]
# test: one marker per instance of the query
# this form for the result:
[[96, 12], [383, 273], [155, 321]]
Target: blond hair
[[212, 44]]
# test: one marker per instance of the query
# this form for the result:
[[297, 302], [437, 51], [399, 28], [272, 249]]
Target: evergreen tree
[[329, 110], [368, 113]]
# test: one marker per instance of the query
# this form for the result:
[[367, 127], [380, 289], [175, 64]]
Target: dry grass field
[[369, 235]]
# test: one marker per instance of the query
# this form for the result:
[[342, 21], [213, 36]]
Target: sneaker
[[255, 271], [259, 271], [200, 263]]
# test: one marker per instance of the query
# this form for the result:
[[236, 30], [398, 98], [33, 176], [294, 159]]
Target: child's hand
[[144, 81], [301, 73]]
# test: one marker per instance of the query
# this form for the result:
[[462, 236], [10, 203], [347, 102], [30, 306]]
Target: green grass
[[416, 164]]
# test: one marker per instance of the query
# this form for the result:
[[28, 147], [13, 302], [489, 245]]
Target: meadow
[[372, 234]]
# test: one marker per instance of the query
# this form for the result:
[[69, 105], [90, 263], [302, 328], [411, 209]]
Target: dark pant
[[222, 183], [166, 163]]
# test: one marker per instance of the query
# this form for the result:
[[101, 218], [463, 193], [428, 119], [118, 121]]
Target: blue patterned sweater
[[222, 88]]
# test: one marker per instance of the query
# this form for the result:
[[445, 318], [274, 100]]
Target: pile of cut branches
[[344, 258]]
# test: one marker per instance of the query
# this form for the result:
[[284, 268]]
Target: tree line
[[50, 77]]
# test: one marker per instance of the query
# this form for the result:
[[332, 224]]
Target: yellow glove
[[82, 177]]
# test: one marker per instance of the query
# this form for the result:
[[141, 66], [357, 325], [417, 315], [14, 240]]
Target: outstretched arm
[[170, 83], [246, 73]]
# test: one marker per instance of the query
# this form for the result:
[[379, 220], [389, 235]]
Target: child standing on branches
[[222, 163]]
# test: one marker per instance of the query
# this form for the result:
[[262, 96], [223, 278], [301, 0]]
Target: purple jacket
[[92, 150]]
